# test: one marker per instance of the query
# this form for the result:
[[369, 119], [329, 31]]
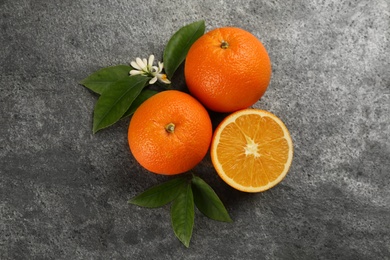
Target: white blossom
[[145, 67]]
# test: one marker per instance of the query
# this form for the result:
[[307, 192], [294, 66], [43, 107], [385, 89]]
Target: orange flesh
[[253, 151]]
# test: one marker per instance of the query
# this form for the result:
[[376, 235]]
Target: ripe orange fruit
[[170, 133], [227, 69], [252, 150]]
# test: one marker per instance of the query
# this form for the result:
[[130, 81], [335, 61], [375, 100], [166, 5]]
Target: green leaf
[[160, 194], [208, 202], [104, 78], [144, 95], [182, 215], [178, 45], [116, 100]]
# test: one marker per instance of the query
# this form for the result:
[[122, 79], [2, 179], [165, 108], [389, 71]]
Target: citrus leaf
[[144, 95], [178, 45], [160, 194], [208, 202], [104, 78], [116, 100], [182, 215]]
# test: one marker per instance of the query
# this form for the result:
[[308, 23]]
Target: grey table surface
[[64, 191]]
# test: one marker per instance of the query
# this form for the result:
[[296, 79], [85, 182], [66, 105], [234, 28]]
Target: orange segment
[[252, 150]]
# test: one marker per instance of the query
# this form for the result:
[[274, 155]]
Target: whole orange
[[227, 69], [170, 133]]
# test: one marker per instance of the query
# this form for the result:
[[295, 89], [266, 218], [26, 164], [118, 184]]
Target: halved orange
[[252, 150]]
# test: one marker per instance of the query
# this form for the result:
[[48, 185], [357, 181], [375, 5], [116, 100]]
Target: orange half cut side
[[252, 150]]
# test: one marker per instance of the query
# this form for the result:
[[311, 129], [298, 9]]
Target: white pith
[[251, 148]]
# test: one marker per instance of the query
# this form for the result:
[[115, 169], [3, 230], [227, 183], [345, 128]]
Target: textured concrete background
[[64, 190]]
